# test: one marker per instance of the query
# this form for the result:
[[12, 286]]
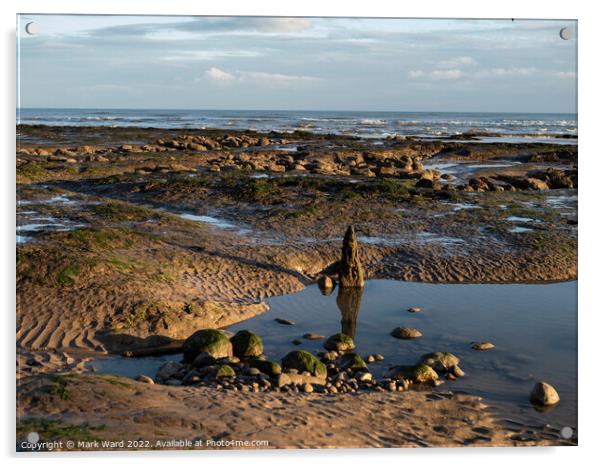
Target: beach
[[131, 238]]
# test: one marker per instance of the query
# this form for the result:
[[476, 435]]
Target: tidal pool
[[533, 327]]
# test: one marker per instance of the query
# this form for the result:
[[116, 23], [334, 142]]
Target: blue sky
[[296, 64]]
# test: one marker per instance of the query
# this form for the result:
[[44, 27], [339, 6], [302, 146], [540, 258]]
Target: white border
[[590, 308]]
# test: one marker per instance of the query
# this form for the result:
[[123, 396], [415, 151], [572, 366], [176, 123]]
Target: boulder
[[270, 368], [406, 333], [246, 344], [352, 361], [537, 184], [339, 342], [440, 361], [168, 369], [213, 342], [350, 267], [303, 361], [544, 394], [225, 372]]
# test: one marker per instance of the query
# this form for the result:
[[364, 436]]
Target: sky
[[163, 62]]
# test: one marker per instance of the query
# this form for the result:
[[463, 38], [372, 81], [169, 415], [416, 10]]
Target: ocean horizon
[[374, 124]]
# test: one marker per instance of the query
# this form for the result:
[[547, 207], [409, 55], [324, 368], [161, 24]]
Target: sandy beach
[[133, 239]]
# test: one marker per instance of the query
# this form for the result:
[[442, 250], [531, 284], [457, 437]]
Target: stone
[[365, 377], [350, 268], [456, 371], [213, 342], [296, 342], [414, 309], [246, 344], [339, 342], [370, 359], [353, 362], [313, 336], [483, 346], [270, 368], [168, 369], [145, 379], [304, 361], [406, 333], [325, 282], [225, 372], [282, 380], [544, 394], [537, 184], [308, 388], [440, 360], [424, 374], [284, 321]]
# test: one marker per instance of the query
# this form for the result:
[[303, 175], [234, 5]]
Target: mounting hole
[[565, 33], [31, 28]]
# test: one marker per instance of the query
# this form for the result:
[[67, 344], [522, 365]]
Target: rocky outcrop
[[351, 273]]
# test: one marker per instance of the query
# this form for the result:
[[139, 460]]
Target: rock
[[406, 333], [282, 380], [379, 357], [456, 371], [203, 359], [325, 282], [225, 372], [440, 361], [330, 356], [370, 359], [296, 342], [537, 184], [213, 342], [313, 336], [365, 377], [168, 369], [483, 346], [246, 344], [145, 379], [339, 342], [304, 362], [308, 388], [427, 183], [270, 368], [424, 374], [284, 321], [350, 267], [544, 394], [413, 310], [352, 361]]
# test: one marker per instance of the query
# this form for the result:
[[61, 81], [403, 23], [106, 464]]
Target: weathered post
[[350, 267]]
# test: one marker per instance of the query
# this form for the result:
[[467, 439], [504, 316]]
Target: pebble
[[414, 309], [483, 346], [406, 333], [313, 336], [145, 379], [284, 321], [308, 388], [544, 394]]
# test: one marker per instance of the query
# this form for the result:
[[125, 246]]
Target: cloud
[[566, 74], [205, 55], [457, 62], [446, 74], [218, 75], [504, 72], [436, 74]]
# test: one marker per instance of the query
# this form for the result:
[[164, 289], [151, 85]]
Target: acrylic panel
[[271, 232]]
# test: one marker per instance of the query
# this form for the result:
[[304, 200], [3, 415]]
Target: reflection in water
[[349, 301]]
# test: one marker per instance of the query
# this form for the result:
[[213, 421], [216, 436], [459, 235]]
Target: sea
[[537, 126]]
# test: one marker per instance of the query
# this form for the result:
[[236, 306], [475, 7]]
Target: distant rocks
[[544, 394], [406, 333], [414, 310]]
